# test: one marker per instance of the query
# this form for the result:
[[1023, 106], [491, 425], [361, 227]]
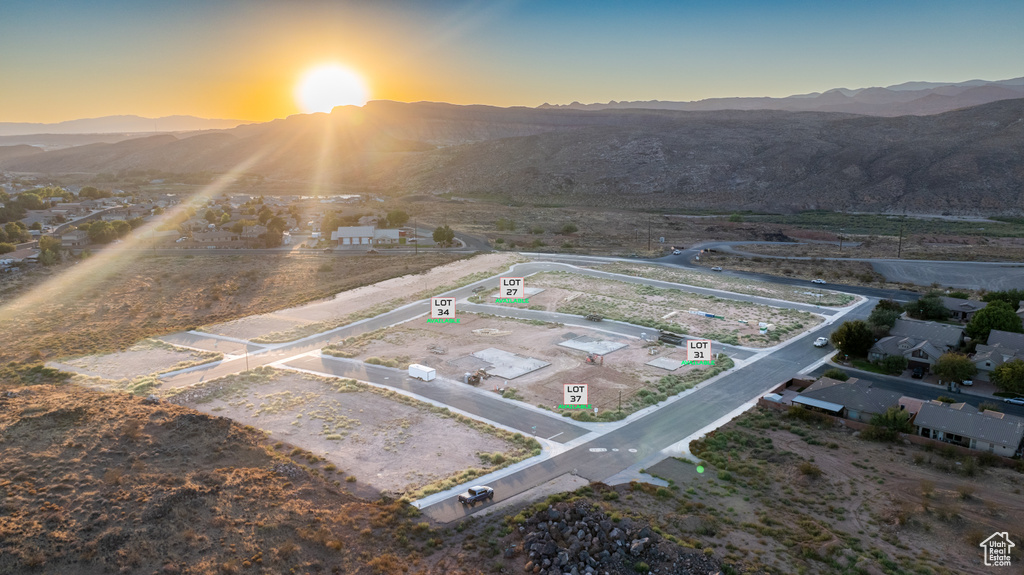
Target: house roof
[[827, 406], [957, 304], [911, 404], [385, 234], [988, 353], [939, 334], [1007, 340], [854, 394], [1006, 431], [898, 345], [353, 232]]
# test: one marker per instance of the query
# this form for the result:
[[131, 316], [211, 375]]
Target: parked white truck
[[422, 372]]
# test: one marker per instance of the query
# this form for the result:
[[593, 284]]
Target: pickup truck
[[478, 493], [593, 317]]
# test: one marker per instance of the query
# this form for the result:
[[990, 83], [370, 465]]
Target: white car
[[716, 269], [818, 281], [1015, 400], [676, 252], [821, 342], [967, 382]]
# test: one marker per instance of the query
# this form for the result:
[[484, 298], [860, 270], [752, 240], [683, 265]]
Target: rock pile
[[579, 539]]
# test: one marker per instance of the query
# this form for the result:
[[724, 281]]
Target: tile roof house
[[944, 337], [962, 309], [919, 352], [961, 424], [1009, 342], [986, 358], [852, 399]]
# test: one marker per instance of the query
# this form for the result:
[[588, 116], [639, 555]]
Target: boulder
[[637, 546]]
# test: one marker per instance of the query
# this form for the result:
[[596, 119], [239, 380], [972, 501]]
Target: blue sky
[[233, 58]]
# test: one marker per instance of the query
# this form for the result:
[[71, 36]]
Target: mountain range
[[118, 125], [965, 162], [907, 99]]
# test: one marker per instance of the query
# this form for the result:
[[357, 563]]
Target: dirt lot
[[109, 303], [387, 441], [667, 309], [623, 370], [788, 495], [848, 273], [727, 283], [918, 246], [147, 357], [350, 305]]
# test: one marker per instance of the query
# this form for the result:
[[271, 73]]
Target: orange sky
[[241, 59]]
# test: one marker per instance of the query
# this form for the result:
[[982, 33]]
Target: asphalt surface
[[487, 405], [971, 275]]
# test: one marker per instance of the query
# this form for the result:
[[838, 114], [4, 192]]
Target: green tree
[[225, 218], [444, 235], [396, 218], [210, 216], [1011, 296], [895, 419], [121, 228], [29, 201], [49, 243], [836, 373], [36, 226], [91, 193], [954, 367], [996, 315], [102, 233], [569, 228], [264, 215], [853, 338], [49, 258], [136, 223], [1010, 376], [890, 305], [6, 248], [894, 364], [885, 318], [929, 307]]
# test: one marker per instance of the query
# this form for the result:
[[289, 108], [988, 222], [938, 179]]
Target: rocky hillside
[[966, 162]]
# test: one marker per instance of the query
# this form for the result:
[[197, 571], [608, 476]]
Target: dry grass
[[154, 295]]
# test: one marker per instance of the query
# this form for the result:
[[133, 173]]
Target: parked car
[[1014, 400], [821, 342], [676, 252], [476, 493], [967, 382], [716, 269], [818, 281], [918, 373], [479, 289]]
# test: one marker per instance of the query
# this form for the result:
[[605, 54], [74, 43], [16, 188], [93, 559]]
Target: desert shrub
[[894, 364], [836, 373], [809, 469], [927, 488]]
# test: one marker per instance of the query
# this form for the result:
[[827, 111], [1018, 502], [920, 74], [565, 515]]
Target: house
[[353, 235], [368, 220], [852, 399], [962, 309], [919, 352], [214, 237], [386, 236], [253, 232], [911, 405], [986, 358], [74, 238], [1008, 342], [944, 337], [961, 424]]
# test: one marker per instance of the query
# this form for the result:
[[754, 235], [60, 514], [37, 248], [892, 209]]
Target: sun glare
[[324, 87]]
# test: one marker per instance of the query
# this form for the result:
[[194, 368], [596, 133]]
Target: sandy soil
[[350, 302], [571, 293], [145, 358], [902, 500], [389, 445], [727, 283], [623, 370]]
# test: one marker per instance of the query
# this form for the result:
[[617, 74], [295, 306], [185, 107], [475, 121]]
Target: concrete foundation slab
[[665, 363], [533, 291], [593, 345], [507, 365], [209, 343]]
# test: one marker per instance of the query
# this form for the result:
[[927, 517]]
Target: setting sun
[[324, 87]]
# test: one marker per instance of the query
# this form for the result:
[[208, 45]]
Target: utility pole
[[899, 248]]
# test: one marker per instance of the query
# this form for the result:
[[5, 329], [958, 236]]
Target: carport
[[826, 406]]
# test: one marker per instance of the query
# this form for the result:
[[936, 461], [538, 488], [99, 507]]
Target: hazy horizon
[[242, 60]]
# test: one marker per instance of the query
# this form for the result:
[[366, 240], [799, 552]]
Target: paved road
[[970, 275], [457, 395]]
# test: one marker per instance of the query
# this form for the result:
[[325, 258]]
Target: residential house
[[353, 235], [386, 237], [368, 220], [961, 424], [943, 336], [214, 237], [919, 352], [986, 358], [962, 309], [852, 399], [1020, 308], [1008, 342], [74, 238]]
